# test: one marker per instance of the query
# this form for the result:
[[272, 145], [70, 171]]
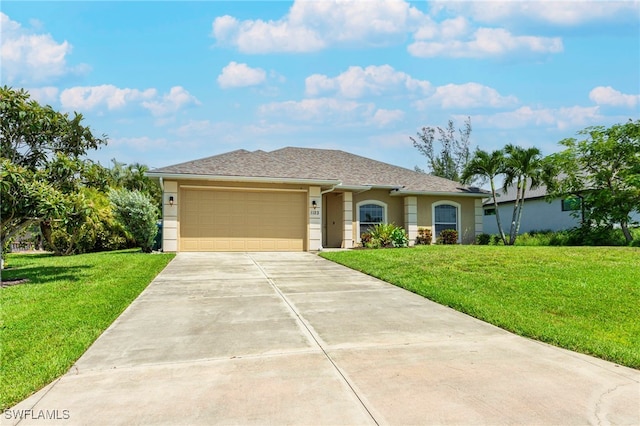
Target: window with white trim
[[445, 216], [370, 214]]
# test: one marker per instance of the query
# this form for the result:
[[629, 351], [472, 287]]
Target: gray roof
[[509, 195], [315, 164]]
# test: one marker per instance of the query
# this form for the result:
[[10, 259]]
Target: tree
[[522, 167], [27, 198], [603, 169], [137, 213], [40, 148], [451, 159], [485, 166], [132, 177], [32, 134]]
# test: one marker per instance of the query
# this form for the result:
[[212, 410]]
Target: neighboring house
[[299, 199], [538, 215]]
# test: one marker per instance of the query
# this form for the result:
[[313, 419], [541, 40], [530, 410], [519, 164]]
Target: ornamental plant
[[137, 213], [385, 235], [424, 236], [448, 236]]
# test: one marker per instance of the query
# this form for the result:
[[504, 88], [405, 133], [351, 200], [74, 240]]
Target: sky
[[171, 81]]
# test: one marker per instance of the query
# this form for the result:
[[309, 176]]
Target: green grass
[[585, 299], [49, 322]]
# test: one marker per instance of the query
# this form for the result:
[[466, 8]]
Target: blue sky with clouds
[[174, 81]]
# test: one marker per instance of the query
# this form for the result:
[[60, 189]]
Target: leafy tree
[[603, 169], [484, 166], [31, 134], [522, 167], [450, 161], [41, 150], [27, 198], [132, 177], [137, 213]]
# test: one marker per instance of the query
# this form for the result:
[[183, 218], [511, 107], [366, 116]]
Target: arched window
[[446, 215], [371, 213]]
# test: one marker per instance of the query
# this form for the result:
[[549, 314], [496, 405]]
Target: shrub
[[448, 236], [399, 237], [483, 239], [137, 213], [424, 236], [365, 239], [385, 235]]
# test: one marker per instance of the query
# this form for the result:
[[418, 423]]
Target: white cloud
[[140, 144], [171, 102], [321, 109], [334, 111], [468, 95], [384, 117], [44, 95], [314, 25], [357, 82], [240, 75], [114, 98], [485, 42], [92, 97], [561, 13], [560, 118], [609, 96], [28, 58]]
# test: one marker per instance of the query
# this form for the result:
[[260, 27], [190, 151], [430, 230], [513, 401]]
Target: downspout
[[161, 179], [328, 190]]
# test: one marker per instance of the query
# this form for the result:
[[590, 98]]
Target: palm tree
[[486, 166], [522, 165]]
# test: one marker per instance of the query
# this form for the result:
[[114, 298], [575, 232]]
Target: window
[[489, 212], [370, 214], [571, 204], [445, 216]]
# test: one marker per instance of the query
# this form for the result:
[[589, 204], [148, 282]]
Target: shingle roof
[[509, 195], [315, 164]]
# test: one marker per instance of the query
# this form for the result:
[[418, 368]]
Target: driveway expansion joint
[[315, 338]]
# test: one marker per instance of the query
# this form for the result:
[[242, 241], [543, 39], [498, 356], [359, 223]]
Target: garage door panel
[[221, 220]]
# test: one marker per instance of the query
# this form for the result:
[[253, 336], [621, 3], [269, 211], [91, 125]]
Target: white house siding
[[538, 215]]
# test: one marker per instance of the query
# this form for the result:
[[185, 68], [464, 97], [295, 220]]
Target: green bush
[[365, 239], [448, 236], [424, 236], [483, 239], [95, 230], [399, 237], [138, 214], [385, 235]]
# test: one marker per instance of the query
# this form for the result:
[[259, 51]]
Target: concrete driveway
[[290, 338]]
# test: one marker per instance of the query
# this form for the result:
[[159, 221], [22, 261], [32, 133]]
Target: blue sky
[[175, 81]]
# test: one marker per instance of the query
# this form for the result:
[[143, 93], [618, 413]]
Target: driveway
[[290, 338]]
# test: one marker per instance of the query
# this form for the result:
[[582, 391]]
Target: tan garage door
[[242, 220]]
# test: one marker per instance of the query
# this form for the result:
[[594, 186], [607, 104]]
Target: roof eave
[[402, 193], [256, 179]]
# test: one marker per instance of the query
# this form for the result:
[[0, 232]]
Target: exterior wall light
[[314, 204], [171, 200]]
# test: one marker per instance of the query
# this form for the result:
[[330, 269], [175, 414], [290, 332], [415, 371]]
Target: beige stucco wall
[[467, 219], [335, 222], [396, 212]]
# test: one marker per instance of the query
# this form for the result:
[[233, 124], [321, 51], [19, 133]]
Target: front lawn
[[586, 299], [47, 323]]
